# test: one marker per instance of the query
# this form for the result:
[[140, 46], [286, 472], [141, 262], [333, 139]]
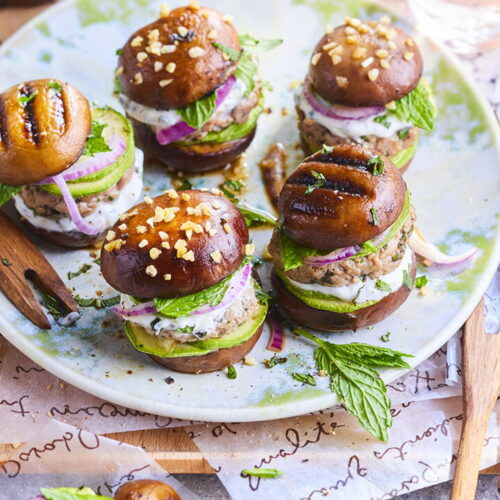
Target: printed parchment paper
[[62, 455]]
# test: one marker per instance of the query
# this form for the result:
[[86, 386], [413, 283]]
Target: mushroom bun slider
[[364, 87], [189, 84], [188, 293], [340, 253], [71, 170]]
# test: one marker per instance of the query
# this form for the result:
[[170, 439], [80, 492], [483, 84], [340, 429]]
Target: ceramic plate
[[454, 181]]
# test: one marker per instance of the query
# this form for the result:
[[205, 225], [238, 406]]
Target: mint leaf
[[84, 493], [95, 142], [55, 86], [182, 306], [25, 99], [97, 303], [199, 112], [382, 119], [7, 192], [407, 279], [385, 337], [377, 165], [305, 378], [403, 133], [382, 285], [263, 473], [82, 270], [246, 71], [231, 372], [233, 54], [417, 108], [274, 360], [254, 216], [319, 182], [254, 46], [421, 281], [293, 254]]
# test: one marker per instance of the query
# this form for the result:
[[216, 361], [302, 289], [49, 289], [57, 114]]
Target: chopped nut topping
[[114, 245], [167, 277], [249, 249], [249, 361], [205, 14], [352, 40], [143, 243], [385, 19], [141, 56], [367, 62], [336, 59], [315, 58], [165, 244], [188, 256], [154, 48], [194, 6], [111, 235], [373, 74], [195, 52], [141, 229], [154, 253], [148, 200], [358, 53], [122, 227], [163, 235], [136, 42], [154, 35], [151, 222], [191, 226], [164, 10], [216, 205], [216, 256], [164, 83], [227, 18], [349, 30], [151, 271], [185, 197], [227, 227], [337, 50], [372, 23], [167, 49], [391, 45], [182, 30], [181, 247], [363, 28], [409, 42], [352, 21], [342, 81], [329, 46], [384, 63], [212, 35], [171, 67], [138, 78], [408, 56], [172, 194], [381, 53], [158, 66]]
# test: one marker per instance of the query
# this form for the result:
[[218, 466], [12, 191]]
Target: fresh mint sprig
[[353, 378], [95, 142]]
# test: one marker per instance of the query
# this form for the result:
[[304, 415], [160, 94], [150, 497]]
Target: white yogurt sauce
[[353, 129], [106, 213], [362, 291], [159, 119], [201, 323]]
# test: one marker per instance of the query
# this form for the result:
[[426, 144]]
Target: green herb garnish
[[368, 246], [95, 142], [185, 329], [382, 119], [254, 46], [7, 192], [97, 261], [97, 302], [407, 279], [261, 296], [246, 71], [263, 473], [230, 186], [293, 254], [275, 360], [385, 337], [117, 86], [25, 99], [231, 372], [52, 305], [82, 270], [326, 149], [119, 52], [351, 368], [403, 133], [55, 86], [377, 165], [6, 262], [254, 216], [417, 108], [382, 285], [305, 378], [374, 214], [319, 182], [199, 112], [421, 281], [233, 54]]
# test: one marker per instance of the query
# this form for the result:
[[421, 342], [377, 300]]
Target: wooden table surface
[[171, 448]]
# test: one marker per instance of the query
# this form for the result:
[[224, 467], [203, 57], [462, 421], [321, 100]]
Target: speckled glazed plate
[[454, 179]]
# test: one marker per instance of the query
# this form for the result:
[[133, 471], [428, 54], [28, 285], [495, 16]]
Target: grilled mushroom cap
[[146, 489], [173, 62], [177, 244], [365, 64], [43, 128], [338, 199]]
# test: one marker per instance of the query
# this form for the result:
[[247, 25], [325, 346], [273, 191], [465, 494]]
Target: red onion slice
[[137, 310], [336, 111], [94, 164], [73, 207], [182, 129], [238, 283], [430, 252], [277, 339], [335, 256]]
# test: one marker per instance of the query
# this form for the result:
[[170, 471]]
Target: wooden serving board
[[173, 449]]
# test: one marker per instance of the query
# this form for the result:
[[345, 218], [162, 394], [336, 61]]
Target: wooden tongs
[[21, 260]]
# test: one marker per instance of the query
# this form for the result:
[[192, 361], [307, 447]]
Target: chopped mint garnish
[[326, 149], [403, 133], [383, 121], [95, 142], [374, 214], [421, 281], [6, 262], [386, 336], [377, 165], [305, 378], [407, 280], [382, 285], [231, 372], [25, 99], [97, 302], [275, 360], [55, 86], [82, 270], [319, 182]]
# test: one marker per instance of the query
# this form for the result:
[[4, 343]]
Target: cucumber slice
[[403, 157], [166, 348], [321, 301], [103, 179]]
